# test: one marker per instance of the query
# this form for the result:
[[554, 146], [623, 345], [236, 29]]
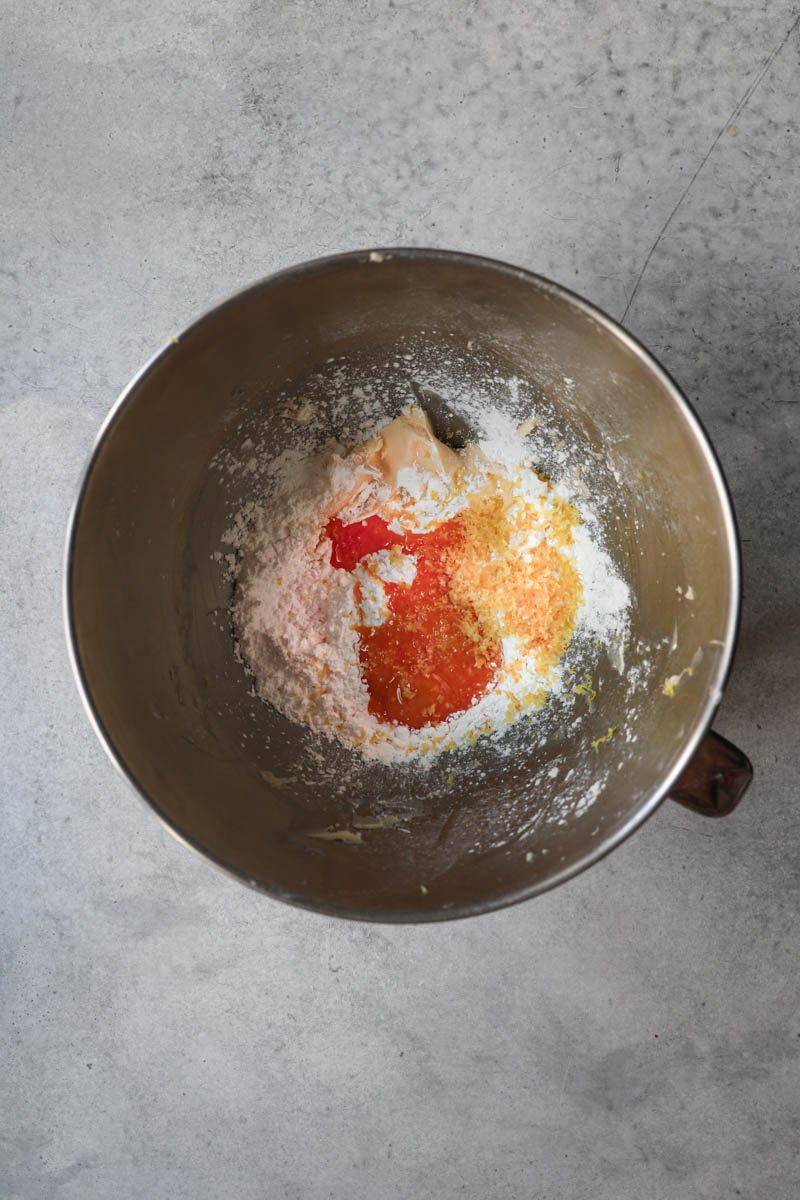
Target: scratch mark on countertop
[[740, 107]]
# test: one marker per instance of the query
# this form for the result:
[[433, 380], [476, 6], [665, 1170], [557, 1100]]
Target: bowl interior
[[148, 595]]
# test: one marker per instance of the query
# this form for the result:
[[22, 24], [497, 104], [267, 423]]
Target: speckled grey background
[[633, 1035]]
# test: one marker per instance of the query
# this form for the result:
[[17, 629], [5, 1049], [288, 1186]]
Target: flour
[[297, 616]]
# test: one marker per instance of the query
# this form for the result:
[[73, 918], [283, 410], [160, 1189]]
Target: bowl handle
[[716, 778]]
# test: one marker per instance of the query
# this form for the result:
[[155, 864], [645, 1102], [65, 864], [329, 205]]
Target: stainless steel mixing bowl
[[146, 602]]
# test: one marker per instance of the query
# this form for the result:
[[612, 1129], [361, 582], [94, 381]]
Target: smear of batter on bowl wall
[[407, 598]]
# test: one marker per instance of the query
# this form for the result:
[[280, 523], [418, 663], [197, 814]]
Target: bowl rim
[[372, 257]]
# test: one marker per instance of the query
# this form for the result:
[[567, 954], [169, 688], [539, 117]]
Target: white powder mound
[[372, 572], [297, 616], [606, 598]]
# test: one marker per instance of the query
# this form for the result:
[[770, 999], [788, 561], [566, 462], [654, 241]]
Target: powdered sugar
[[606, 599]]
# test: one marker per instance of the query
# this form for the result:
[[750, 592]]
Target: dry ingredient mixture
[[407, 598]]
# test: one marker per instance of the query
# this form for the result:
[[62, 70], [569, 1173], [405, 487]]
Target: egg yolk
[[433, 656]]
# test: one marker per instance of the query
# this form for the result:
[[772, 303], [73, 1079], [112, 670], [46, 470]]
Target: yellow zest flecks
[[278, 780], [612, 729], [669, 685], [533, 593], [349, 836], [584, 688]]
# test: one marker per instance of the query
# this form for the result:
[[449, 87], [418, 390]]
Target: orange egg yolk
[[433, 656]]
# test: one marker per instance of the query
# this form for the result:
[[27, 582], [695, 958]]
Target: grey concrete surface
[[631, 1036]]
